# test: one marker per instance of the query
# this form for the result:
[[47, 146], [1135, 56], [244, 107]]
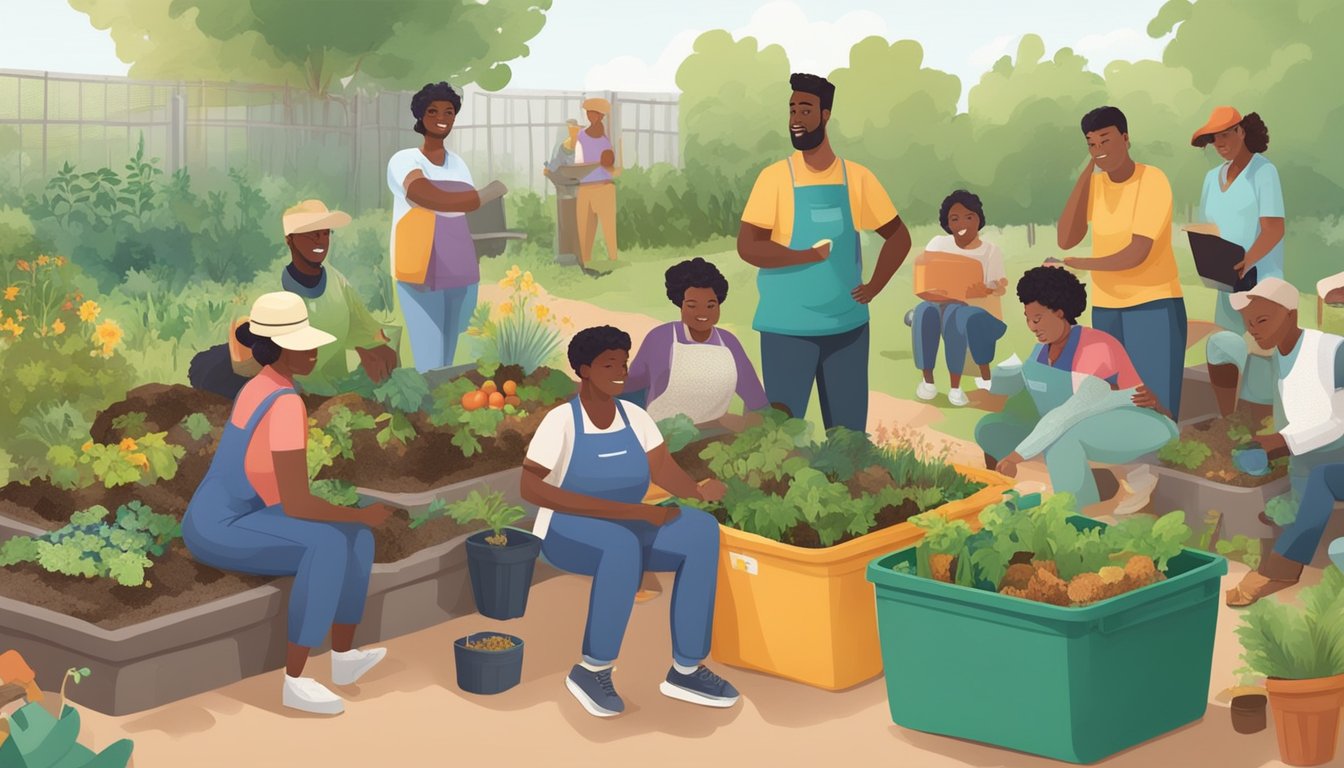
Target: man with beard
[[801, 229]]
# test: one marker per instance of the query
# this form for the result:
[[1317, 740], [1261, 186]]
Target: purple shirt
[[652, 366], [452, 258], [593, 147]]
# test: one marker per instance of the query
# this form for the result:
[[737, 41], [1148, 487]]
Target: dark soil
[[46, 506], [398, 540], [1219, 467]]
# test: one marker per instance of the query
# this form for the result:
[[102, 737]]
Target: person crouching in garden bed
[[254, 513], [591, 461], [964, 311], [1076, 399]]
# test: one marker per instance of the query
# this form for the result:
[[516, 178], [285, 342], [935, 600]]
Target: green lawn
[[635, 284]]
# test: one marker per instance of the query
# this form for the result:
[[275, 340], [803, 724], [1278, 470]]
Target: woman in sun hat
[[255, 513]]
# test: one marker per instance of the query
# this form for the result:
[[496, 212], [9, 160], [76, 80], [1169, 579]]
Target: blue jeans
[[616, 553], [1258, 384], [961, 327], [330, 563], [1325, 487], [1153, 335], [435, 321], [839, 366]]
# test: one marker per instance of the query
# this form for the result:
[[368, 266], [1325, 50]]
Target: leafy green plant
[[490, 509], [396, 427], [517, 331], [1242, 549], [131, 424], [405, 390], [343, 425], [74, 675], [678, 432], [90, 547], [1297, 642], [197, 425], [1159, 539], [322, 450], [337, 492], [145, 460], [1282, 509], [1188, 454], [1239, 434]]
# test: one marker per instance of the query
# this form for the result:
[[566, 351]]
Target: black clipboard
[[1216, 261]]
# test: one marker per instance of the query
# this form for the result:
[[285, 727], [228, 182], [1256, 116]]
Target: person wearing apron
[[693, 367], [1308, 368], [1077, 398], [1243, 197], [800, 227], [592, 460], [253, 512]]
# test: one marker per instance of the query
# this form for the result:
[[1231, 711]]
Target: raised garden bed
[[792, 600]]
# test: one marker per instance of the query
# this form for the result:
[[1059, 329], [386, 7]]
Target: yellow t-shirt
[[770, 205], [1140, 205]]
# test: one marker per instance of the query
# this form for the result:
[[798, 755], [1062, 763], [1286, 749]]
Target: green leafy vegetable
[[405, 390], [678, 432], [337, 492], [130, 424], [396, 427], [88, 547], [1188, 454], [1282, 509], [343, 425], [197, 425], [1159, 539]]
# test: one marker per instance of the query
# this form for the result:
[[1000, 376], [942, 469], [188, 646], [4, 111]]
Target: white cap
[[282, 317], [1270, 289]]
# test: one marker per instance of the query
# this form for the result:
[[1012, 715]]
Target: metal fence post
[[177, 131], [46, 118]]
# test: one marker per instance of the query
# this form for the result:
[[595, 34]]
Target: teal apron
[[815, 299]]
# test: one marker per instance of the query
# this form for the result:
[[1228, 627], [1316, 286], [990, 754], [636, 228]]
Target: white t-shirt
[[454, 168], [988, 254], [553, 444]]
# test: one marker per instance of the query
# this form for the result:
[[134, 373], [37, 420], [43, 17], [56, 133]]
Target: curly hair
[[816, 85], [967, 199], [1054, 288], [589, 343], [1105, 117], [431, 93], [695, 273], [1257, 134], [264, 350]]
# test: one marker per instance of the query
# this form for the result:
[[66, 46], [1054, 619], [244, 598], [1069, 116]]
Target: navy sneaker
[[595, 691], [701, 687]]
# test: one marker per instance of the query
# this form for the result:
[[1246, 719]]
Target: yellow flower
[[128, 444], [87, 446], [61, 261], [88, 311], [534, 289], [506, 308], [542, 311], [139, 460], [11, 293], [58, 327], [514, 272], [506, 282], [108, 334], [528, 283], [565, 321], [42, 261], [12, 327]]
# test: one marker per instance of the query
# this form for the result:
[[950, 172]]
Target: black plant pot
[[488, 672], [501, 577]]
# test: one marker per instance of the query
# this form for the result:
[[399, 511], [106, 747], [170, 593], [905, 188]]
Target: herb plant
[[1188, 454], [90, 547], [490, 509], [197, 425], [678, 432], [1297, 642]]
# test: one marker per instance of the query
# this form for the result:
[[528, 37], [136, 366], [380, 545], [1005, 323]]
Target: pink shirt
[[283, 428], [1101, 354]]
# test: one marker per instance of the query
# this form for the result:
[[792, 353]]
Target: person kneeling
[[591, 461]]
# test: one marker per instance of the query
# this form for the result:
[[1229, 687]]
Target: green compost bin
[[1073, 684]]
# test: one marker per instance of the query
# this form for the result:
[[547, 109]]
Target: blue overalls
[[616, 553], [229, 527], [811, 327]]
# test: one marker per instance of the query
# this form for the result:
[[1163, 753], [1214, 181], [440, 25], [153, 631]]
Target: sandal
[[1244, 595]]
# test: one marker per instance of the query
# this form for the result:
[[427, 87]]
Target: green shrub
[[1297, 642], [90, 547]]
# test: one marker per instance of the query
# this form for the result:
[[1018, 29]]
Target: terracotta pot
[[1306, 718], [1248, 713]]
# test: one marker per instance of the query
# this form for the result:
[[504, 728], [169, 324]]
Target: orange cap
[[13, 669], [1221, 119]]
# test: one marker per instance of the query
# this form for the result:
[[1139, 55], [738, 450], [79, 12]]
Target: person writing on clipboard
[[1243, 199]]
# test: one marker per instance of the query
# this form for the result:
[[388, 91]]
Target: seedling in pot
[[490, 509]]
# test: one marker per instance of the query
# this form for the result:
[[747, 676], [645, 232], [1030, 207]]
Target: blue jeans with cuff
[[1324, 488], [435, 320]]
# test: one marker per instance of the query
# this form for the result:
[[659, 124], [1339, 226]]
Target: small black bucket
[[501, 577], [488, 672]]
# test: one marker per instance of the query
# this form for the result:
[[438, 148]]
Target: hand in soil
[[712, 490], [376, 515]]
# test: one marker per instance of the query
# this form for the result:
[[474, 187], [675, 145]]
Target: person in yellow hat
[[361, 341], [1243, 198], [597, 191]]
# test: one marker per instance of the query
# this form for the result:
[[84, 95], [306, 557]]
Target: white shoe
[[982, 383], [1139, 484], [957, 397], [307, 695], [926, 391], [348, 667]]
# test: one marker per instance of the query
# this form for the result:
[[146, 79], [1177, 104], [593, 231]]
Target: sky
[[637, 44]]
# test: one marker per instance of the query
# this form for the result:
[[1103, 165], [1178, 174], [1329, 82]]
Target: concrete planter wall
[[1240, 507], [189, 652]]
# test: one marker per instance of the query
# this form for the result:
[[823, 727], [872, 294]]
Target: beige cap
[[311, 216], [597, 104], [1270, 289], [282, 317]]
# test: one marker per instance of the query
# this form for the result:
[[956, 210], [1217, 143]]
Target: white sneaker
[[1139, 484], [926, 391], [982, 383], [957, 397], [348, 667], [307, 695]]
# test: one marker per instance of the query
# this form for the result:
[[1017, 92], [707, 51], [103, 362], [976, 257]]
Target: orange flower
[[43, 260], [25, 266], [67, 306], [58, 327], [87, 446], [128, 444], [139, 460], [88, 311], [12, 327], [109, 335], [11, 293]]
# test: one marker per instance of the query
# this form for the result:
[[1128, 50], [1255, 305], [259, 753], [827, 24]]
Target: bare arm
[[535, 490], [1073, 221], [1129, 257], [895, 248], [1271, 233], [757, 249], [291, 472], [668, 474], [423, 193]]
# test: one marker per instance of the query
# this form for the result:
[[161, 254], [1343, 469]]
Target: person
[[800, 228], [596, 203], [255, 513], [1243, 198], [1136, 292], [564, 149], [1308, 369], [693, 367], [973, 325], [362, 343], [433, 254], [591, 461], [1078, 398]]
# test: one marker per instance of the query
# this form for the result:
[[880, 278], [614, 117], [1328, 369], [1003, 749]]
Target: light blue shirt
[[1255, 194]]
